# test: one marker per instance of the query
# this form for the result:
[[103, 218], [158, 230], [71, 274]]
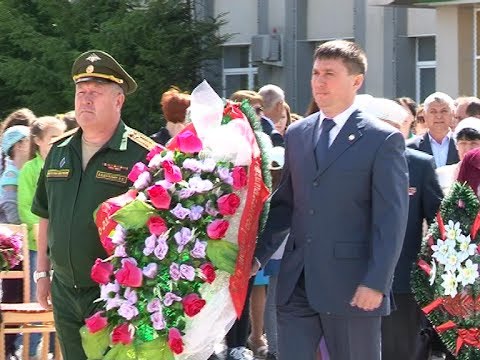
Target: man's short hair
[[438, 97], [473, 109], [271, 95], [250, 95], [349, 52]]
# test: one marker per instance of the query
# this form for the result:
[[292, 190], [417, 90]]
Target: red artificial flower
[[228, 204], [156, 225], [192, 304], [123, 334], [239, 175], [137, 169], [173, 174], [233, 111], [208, 272], [175, 341], [217, 229], [96, 322], [101, 272], [129, 275], [159, 197], [188, 142], [157, 149]]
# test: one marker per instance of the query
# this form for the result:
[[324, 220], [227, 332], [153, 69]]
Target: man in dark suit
[[401, 330], [344, 196], [438, 140]]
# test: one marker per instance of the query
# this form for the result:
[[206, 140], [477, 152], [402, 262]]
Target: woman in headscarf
[[470, 170]]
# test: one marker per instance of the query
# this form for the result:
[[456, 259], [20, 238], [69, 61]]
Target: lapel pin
[[351, 137]]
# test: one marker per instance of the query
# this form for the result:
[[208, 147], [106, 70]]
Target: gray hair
[[271, 94], [439, 97]]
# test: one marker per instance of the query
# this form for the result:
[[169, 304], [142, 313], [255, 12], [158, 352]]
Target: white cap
[[467, 123], [383, 109]]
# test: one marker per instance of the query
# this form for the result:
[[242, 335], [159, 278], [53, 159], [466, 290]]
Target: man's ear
[[358, 81]]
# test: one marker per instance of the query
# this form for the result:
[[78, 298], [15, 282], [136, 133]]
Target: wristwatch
[[37, 275]]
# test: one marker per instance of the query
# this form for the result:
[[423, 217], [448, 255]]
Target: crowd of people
[[355, 183]]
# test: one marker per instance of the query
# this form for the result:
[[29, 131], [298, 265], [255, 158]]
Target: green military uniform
[[67, 196]]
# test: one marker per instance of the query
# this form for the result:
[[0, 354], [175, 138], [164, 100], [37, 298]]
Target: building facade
[[413, 48]]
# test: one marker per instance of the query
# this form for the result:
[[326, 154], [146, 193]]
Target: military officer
[[84, 168]]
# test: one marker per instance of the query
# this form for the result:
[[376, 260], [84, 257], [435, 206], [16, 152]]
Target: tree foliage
[[158, 42]]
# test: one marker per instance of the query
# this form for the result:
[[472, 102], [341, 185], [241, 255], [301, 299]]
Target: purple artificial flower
[[185, 193], [127, 311], [210, 208], [158, 322], [198, 185], [208, 165], [169, 298], [196, 212], [225, 175], [130, 260], [175, 272], [192, 164], [114, 302], [106, 290], [131, 296], [183, 237], [161, 249], [120, 251], [150, 270], [180, 212], [150, 243], [156, 161], [119, 235], [187, 272], [154, 305], [142, 181], [199, 250], [165, 184]]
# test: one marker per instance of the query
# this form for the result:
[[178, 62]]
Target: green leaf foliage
[[95, 345], [134, 215], [158, 42], [223, 254]]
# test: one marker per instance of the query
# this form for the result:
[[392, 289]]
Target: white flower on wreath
[[452, 230], [443, 249], [433, 272], [453, 262], [450, 283], [468, 273], [466, 247]]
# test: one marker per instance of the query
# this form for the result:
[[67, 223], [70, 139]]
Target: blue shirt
[[440, 150]]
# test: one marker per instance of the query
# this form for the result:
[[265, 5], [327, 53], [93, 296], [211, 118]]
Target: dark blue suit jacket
[[347, 216], [425, 197], [269, 129], [422, 143]]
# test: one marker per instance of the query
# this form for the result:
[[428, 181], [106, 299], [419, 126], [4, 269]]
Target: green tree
[[159, 43]]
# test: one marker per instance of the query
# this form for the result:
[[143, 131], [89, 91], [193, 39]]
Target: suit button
[[309, 240], [311, 212], [315, 183]]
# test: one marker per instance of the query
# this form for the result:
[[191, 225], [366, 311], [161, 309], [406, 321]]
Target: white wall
[[241, 19], [329, 19], [421, 22]]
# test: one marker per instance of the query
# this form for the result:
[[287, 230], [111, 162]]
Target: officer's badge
[[93, 57], [62, 163], [412, 191], [351, 137], [89, 69]]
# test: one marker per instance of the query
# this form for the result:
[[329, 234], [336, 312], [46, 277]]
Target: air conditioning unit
[[266, 48]]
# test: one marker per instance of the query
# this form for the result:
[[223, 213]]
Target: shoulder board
[[141, 139], [64, 136]]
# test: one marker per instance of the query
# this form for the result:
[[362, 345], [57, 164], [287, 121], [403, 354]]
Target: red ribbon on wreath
[[441, 226], [432, 306], [422, 264], [468, 336]]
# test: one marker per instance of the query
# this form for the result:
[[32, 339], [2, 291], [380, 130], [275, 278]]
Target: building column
[[454, 44]]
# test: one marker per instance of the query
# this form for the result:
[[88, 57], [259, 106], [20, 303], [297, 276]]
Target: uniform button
[[309, 240], [311, 212], [315, 183]]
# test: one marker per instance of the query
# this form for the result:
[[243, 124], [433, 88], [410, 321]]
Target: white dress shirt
[[339, 121], [440, 150]]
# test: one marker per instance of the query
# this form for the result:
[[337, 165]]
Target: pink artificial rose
[[157, 149], [156, 225], [159, 197], [173, 174], [217, 229], [208, 272], [188, 142], [192, 304], [101, 272], [233, 111], [123, 334], [228, 204], [239, 175], [137, 169], [175, 341], [96, 322], [129, 275]]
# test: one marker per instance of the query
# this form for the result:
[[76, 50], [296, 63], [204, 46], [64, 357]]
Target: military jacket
[[67, 196]]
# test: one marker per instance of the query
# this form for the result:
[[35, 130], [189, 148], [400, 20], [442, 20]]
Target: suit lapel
[[350, 133], [452, 156], [425, 145]]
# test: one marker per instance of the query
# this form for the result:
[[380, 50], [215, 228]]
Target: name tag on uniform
[[103, 175], [58, 173]]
